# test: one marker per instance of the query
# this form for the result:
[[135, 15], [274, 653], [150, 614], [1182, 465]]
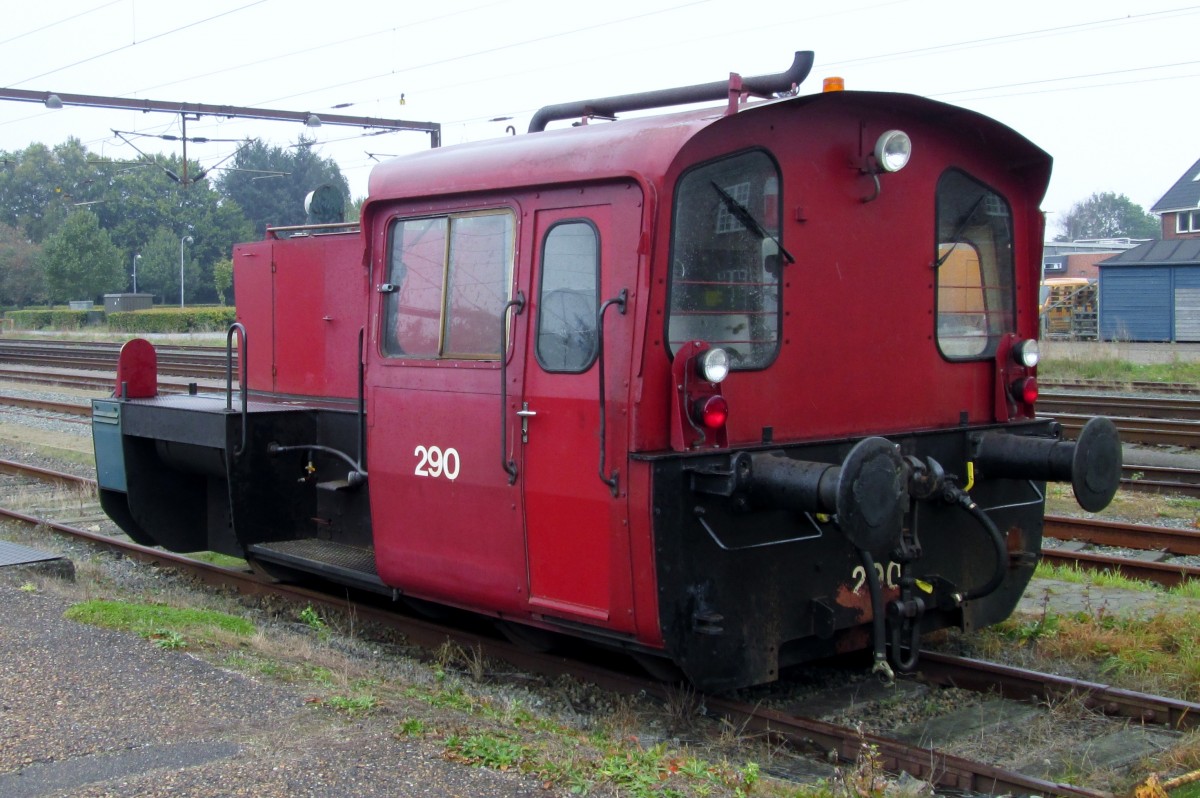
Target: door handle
[[525, 414]]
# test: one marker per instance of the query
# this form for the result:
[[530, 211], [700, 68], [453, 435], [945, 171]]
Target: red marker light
[[1025, 390], [712, 412]]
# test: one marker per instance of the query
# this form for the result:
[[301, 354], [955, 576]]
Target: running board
[[348, 565]]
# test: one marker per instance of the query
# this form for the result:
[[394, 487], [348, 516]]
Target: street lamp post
[[182, 241], [136, 258]]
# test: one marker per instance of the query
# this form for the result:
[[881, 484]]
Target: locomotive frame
[[736, 387]]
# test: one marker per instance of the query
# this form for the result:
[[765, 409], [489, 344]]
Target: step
[[351, 565]]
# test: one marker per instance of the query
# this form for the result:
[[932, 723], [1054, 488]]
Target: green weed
[[150, 620], [353, 705], [312, 619], [167, 638]]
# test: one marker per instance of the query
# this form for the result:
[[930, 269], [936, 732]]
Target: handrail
[[619, 301], [510, 466], [362, 403], [243, 366]]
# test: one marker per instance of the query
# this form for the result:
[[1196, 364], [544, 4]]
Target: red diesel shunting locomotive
[[738, 387]]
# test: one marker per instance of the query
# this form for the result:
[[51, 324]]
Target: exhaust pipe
[[762, 85]]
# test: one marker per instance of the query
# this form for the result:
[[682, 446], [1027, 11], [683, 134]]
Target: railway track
[[1151, 420], [918, 753], [184, 361], [1144, 478], [1131, 386]]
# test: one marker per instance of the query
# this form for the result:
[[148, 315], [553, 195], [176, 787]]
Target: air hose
[[878, 629], [958, 496]]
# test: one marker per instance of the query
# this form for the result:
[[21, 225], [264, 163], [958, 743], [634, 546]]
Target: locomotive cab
[[738, 387]]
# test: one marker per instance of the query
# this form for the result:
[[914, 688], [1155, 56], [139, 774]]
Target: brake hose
[[879, 632], [960, 497]]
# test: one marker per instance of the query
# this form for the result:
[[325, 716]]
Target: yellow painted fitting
[[970, 477]]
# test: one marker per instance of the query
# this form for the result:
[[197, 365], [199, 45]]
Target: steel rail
[[1026, 685], [944, 771], [1178, 408], [1139, 386], [65, 408], [1161, 479], [1125, 536], [44, 474], [1160, 573], [1158, 431]]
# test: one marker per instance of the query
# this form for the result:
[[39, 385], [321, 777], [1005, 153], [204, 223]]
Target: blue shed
[[1152, 292]]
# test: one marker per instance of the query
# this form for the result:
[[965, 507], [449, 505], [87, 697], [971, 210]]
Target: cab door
[[576, 523]]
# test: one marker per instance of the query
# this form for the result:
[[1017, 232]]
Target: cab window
[[974, 262], [725, 261], [448, 280], [567, 298]]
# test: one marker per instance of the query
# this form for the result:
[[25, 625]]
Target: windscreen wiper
[[956, 236], [743, 215]]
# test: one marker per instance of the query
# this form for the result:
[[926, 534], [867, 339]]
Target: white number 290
[[889, 577], [436, 462]]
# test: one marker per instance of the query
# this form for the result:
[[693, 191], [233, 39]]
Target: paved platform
[[1132, 351]]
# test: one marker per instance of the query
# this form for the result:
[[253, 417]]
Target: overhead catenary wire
[[143, 41], [56, 23]]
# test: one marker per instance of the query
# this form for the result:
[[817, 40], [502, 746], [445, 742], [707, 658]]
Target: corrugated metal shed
[[1135, 304], [1170, 252], [1187, 304], [1152, 293]]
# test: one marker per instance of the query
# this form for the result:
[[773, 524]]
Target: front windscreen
[[725, 260], [974, 261]]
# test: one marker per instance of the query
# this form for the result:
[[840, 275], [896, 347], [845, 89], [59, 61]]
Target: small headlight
[[892, 150], [714, 364], [1026, 353]]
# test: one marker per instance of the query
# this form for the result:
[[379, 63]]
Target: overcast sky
[[1108, 87]]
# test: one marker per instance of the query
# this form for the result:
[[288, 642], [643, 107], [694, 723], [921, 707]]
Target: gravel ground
[[90, 712]]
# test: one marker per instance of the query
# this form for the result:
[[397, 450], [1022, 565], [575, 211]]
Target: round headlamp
[[714, 364], [892, 150], [1026, 353]]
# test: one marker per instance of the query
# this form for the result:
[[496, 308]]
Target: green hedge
[[157, 320], [48, 319], [172, 320]]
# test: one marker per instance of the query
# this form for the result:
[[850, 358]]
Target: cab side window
[[449, 279], [567, 297]]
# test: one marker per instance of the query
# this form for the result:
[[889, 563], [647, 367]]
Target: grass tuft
[[160, 622]]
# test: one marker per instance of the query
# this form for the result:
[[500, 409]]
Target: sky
[[1108, 87]]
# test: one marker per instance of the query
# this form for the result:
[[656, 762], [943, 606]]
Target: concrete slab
[[941, 731], [45, 778], [1116, 751], [865, 693], [16, 557]]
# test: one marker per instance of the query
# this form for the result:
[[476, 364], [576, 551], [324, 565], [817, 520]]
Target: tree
[[1107, 215], [80, 260], [158, 270], [21, 279], [270, 183], [223, 279]]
